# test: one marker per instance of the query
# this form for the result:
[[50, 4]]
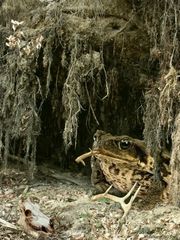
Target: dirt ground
[[77, 217]]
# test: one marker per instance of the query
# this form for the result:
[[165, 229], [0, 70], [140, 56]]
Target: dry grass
[[13, 9], [162, 99]]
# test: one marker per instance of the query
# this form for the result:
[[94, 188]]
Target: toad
[[122, 162]]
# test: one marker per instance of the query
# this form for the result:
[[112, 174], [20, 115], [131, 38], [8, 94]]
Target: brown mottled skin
[[121, 161]]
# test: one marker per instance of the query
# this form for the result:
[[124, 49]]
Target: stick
[[7, 224]]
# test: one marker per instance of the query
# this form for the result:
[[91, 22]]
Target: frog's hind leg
[[125, 206]]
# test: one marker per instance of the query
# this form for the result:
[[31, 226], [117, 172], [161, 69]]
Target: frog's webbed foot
[[125, 206]]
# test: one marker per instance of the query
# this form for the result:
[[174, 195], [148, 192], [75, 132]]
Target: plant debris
[[76, 216]]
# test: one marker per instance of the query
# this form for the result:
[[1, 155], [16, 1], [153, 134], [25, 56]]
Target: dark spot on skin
[[116, 171], [113, 169], [112, 166], [147, 177], [141, 154], [146, 187]]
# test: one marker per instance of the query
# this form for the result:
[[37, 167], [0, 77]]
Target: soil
[[76, 216]]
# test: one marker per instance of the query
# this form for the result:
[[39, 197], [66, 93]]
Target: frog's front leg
[[98, 179]]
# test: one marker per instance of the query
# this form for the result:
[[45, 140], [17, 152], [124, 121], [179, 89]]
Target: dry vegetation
[[74, 66], [163, 99], [76, 217]]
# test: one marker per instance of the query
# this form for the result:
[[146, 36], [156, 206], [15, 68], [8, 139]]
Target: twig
[[8, 224], [90, 104], [107, 87]]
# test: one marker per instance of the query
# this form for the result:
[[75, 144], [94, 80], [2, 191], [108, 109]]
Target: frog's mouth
[[105, 155]]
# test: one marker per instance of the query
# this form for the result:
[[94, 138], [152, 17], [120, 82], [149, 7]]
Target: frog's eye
[[124, 144]]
